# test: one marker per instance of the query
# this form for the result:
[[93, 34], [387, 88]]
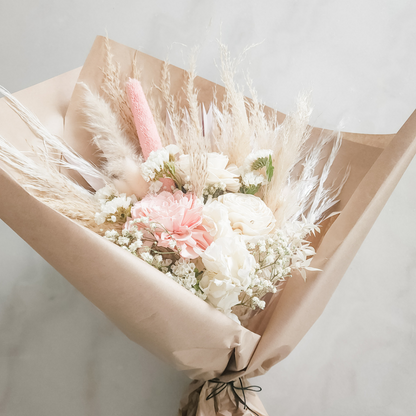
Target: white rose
[[215, 220], [217, 171], [248, 214], [229, 268]]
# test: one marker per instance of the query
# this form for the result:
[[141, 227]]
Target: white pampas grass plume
[[326, 197], [52, 145], [290, 138], [44, 181], [306, 184]]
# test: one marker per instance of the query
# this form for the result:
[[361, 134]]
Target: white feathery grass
[[326, 197], [45, 182], [263, 129], [287, 145], [308, 180], [52, 145]]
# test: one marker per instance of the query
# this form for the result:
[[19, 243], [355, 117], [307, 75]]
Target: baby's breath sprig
[[114, 207], [142, 242], [277, 256], [161, 164], [187, 275]]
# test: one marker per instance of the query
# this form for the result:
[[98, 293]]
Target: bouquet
[[220, 200], [213, 191]]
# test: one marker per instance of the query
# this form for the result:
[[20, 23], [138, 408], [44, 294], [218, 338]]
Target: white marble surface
[[58, 353]]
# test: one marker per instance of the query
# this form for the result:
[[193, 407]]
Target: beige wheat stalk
[[233, 124], [194, 142], [168, 116], [117, 95]]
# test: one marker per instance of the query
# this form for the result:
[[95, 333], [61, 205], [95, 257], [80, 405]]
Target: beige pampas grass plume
[[122, 160]]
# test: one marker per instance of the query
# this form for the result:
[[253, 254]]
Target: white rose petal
[[215, 219], [248, 214]]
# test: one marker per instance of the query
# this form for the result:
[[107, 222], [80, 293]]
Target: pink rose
[[181, 215]]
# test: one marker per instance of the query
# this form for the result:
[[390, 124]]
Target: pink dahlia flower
[[181, 215]]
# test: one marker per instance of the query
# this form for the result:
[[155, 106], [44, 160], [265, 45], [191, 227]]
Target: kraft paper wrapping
[[164, 318]]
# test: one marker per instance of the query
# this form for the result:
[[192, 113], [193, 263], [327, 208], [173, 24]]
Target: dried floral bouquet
[[220, 200]]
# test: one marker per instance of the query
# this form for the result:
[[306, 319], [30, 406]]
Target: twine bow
[[221, 385]]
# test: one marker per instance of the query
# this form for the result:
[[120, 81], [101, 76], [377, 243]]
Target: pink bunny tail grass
[[143, 119]]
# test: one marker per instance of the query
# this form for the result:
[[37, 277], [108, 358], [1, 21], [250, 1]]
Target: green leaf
[[251, 190], [269, 168]]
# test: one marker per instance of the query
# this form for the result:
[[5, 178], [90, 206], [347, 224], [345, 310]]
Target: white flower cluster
[[155, 165], [246, 258], [277, 256], [257, 303], [184, 272], [253, 179], [114, 207], [169, 162], [272, 255], [156, 261], [129, 240]]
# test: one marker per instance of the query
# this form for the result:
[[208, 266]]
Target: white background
[[59, 356]]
